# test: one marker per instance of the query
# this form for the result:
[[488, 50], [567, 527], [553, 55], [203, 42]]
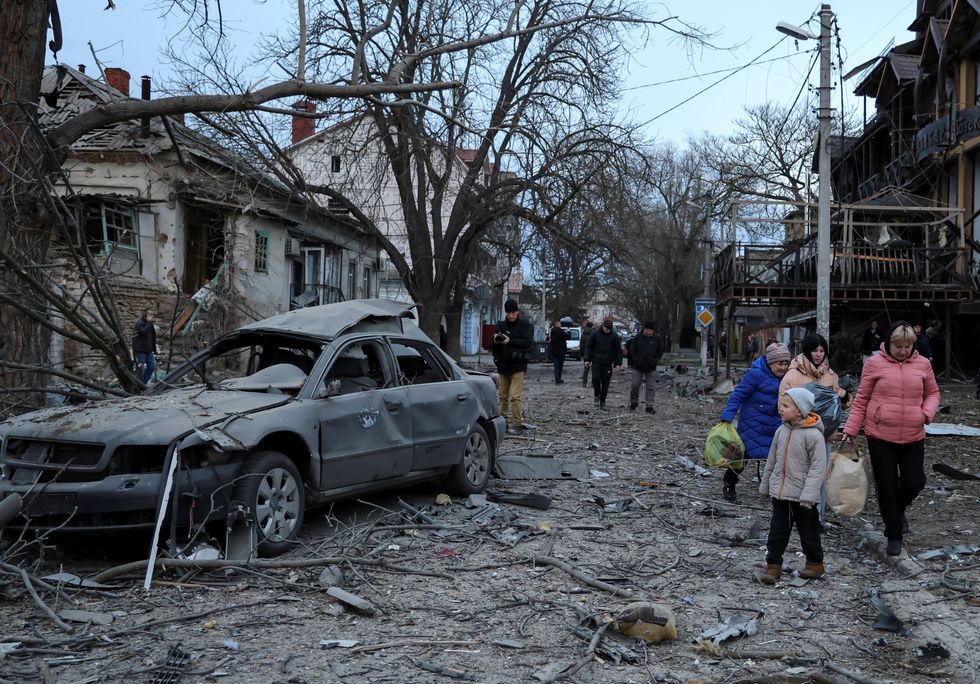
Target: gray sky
[[133, 36]]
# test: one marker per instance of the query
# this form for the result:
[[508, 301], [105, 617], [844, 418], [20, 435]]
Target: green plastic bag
[[724, 448]]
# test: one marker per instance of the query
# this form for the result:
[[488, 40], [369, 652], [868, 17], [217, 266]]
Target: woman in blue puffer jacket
[[755, 399]]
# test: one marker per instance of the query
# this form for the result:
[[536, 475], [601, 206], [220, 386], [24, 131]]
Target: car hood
[[142, 419]]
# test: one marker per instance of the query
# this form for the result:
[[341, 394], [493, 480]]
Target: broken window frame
[[110, 242], [261, 251], [335, 163]]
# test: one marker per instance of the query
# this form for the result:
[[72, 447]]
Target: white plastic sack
[[846, 486]]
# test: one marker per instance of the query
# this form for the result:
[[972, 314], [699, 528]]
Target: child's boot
[[812, 570], [771, 574]]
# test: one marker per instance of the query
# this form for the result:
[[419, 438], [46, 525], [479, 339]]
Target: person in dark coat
[[145, 345], [923, 344], [511, 346], [870, 341], [557, 348], [587, 330], [754, 400], [603, 351], [643, 353]]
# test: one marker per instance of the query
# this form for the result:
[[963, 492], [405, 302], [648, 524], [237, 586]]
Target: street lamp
[[823, 196]]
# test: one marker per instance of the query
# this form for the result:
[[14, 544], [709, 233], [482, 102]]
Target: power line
[[710, 73], [712, 85]]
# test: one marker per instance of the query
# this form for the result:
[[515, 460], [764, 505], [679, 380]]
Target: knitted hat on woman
[[777, 351]]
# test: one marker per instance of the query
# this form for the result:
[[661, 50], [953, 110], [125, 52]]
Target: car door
[[366, 428], [444, 407]]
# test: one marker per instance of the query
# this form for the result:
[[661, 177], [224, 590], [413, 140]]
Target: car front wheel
[[471, 474], [272, 489]]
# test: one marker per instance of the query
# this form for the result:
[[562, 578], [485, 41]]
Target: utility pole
[[823, 161], [706, 269], [823, 200]]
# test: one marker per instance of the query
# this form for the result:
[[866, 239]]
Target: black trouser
[[731, 477], [784, 514], [601, 375], [559, 362], [899, 472]]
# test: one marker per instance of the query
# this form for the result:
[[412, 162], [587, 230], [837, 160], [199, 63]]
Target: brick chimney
[[303, 127], [118, 79]]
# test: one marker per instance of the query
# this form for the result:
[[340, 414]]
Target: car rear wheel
[[471, 474], [272, 489]]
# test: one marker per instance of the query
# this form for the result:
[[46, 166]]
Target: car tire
[[271, 487], [471, 474]]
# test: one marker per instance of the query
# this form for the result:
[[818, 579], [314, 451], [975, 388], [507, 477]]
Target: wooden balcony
[[773, 275]]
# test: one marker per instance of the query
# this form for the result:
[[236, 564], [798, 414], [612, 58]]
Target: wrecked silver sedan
[[286, 413]]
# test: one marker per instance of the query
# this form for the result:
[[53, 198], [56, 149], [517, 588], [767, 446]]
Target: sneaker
[[728, 492], [650, 409], [602, 405], [595, 402], [633, 407], [894, 547]]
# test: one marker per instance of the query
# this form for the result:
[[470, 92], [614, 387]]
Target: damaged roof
[[67, 93], [330, 320]]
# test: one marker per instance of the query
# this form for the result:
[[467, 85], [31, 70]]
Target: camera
[[499, 338]]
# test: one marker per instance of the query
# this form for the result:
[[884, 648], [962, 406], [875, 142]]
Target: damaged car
[[281, 415]]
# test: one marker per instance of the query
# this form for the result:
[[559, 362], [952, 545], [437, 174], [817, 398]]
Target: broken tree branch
[[160, 563]]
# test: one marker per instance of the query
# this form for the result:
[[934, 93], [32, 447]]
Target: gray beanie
[[803, 398], [777, 351]]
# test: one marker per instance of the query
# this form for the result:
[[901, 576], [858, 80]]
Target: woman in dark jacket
[[754, 400], [557, 348]]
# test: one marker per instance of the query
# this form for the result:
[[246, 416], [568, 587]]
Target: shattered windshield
[[256, 362]]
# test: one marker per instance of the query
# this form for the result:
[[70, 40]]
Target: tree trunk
[[23, 209]]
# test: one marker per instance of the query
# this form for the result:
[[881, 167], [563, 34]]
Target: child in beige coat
[[793, 476]]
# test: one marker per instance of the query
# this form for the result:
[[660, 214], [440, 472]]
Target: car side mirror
[[331, 390]]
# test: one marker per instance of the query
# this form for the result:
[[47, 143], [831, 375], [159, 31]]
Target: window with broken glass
[[261, 251], [109, 226]]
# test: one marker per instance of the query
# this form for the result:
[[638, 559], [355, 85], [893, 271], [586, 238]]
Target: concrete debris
[[332, 576], [733, 626], [352, 600], [726, 386], [885, 620], [691, 465], [87, 616], [952, 429], [610, 645], [953, 552], [69, 580], [339, 643], [511, 467]]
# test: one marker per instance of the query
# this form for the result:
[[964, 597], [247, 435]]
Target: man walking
[[587, 331], [145, 345], [511, 342], [643, 352], [603, 351], [557, 348], [923, 344], [870, 341]]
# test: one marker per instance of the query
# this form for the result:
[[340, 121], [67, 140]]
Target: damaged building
[[189, 227], [905, 243]]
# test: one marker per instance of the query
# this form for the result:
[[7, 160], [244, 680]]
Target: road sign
[[705, 318], [703, 314]]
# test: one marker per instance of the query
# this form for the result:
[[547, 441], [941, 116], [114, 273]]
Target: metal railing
[[852, 265]]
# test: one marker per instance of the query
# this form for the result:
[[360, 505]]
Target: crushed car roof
[[331, 320]]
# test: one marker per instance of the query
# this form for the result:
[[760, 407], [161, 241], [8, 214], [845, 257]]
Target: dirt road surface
[[518, 594]]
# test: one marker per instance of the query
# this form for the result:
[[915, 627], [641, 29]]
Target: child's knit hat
[[803, 398]]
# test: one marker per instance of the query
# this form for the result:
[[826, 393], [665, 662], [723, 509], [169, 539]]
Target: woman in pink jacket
[[898, 396]]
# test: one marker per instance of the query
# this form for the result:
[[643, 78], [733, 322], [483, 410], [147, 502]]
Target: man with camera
[[512, 341]]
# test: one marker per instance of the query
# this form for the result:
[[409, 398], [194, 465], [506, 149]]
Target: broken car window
[[416, 363]]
